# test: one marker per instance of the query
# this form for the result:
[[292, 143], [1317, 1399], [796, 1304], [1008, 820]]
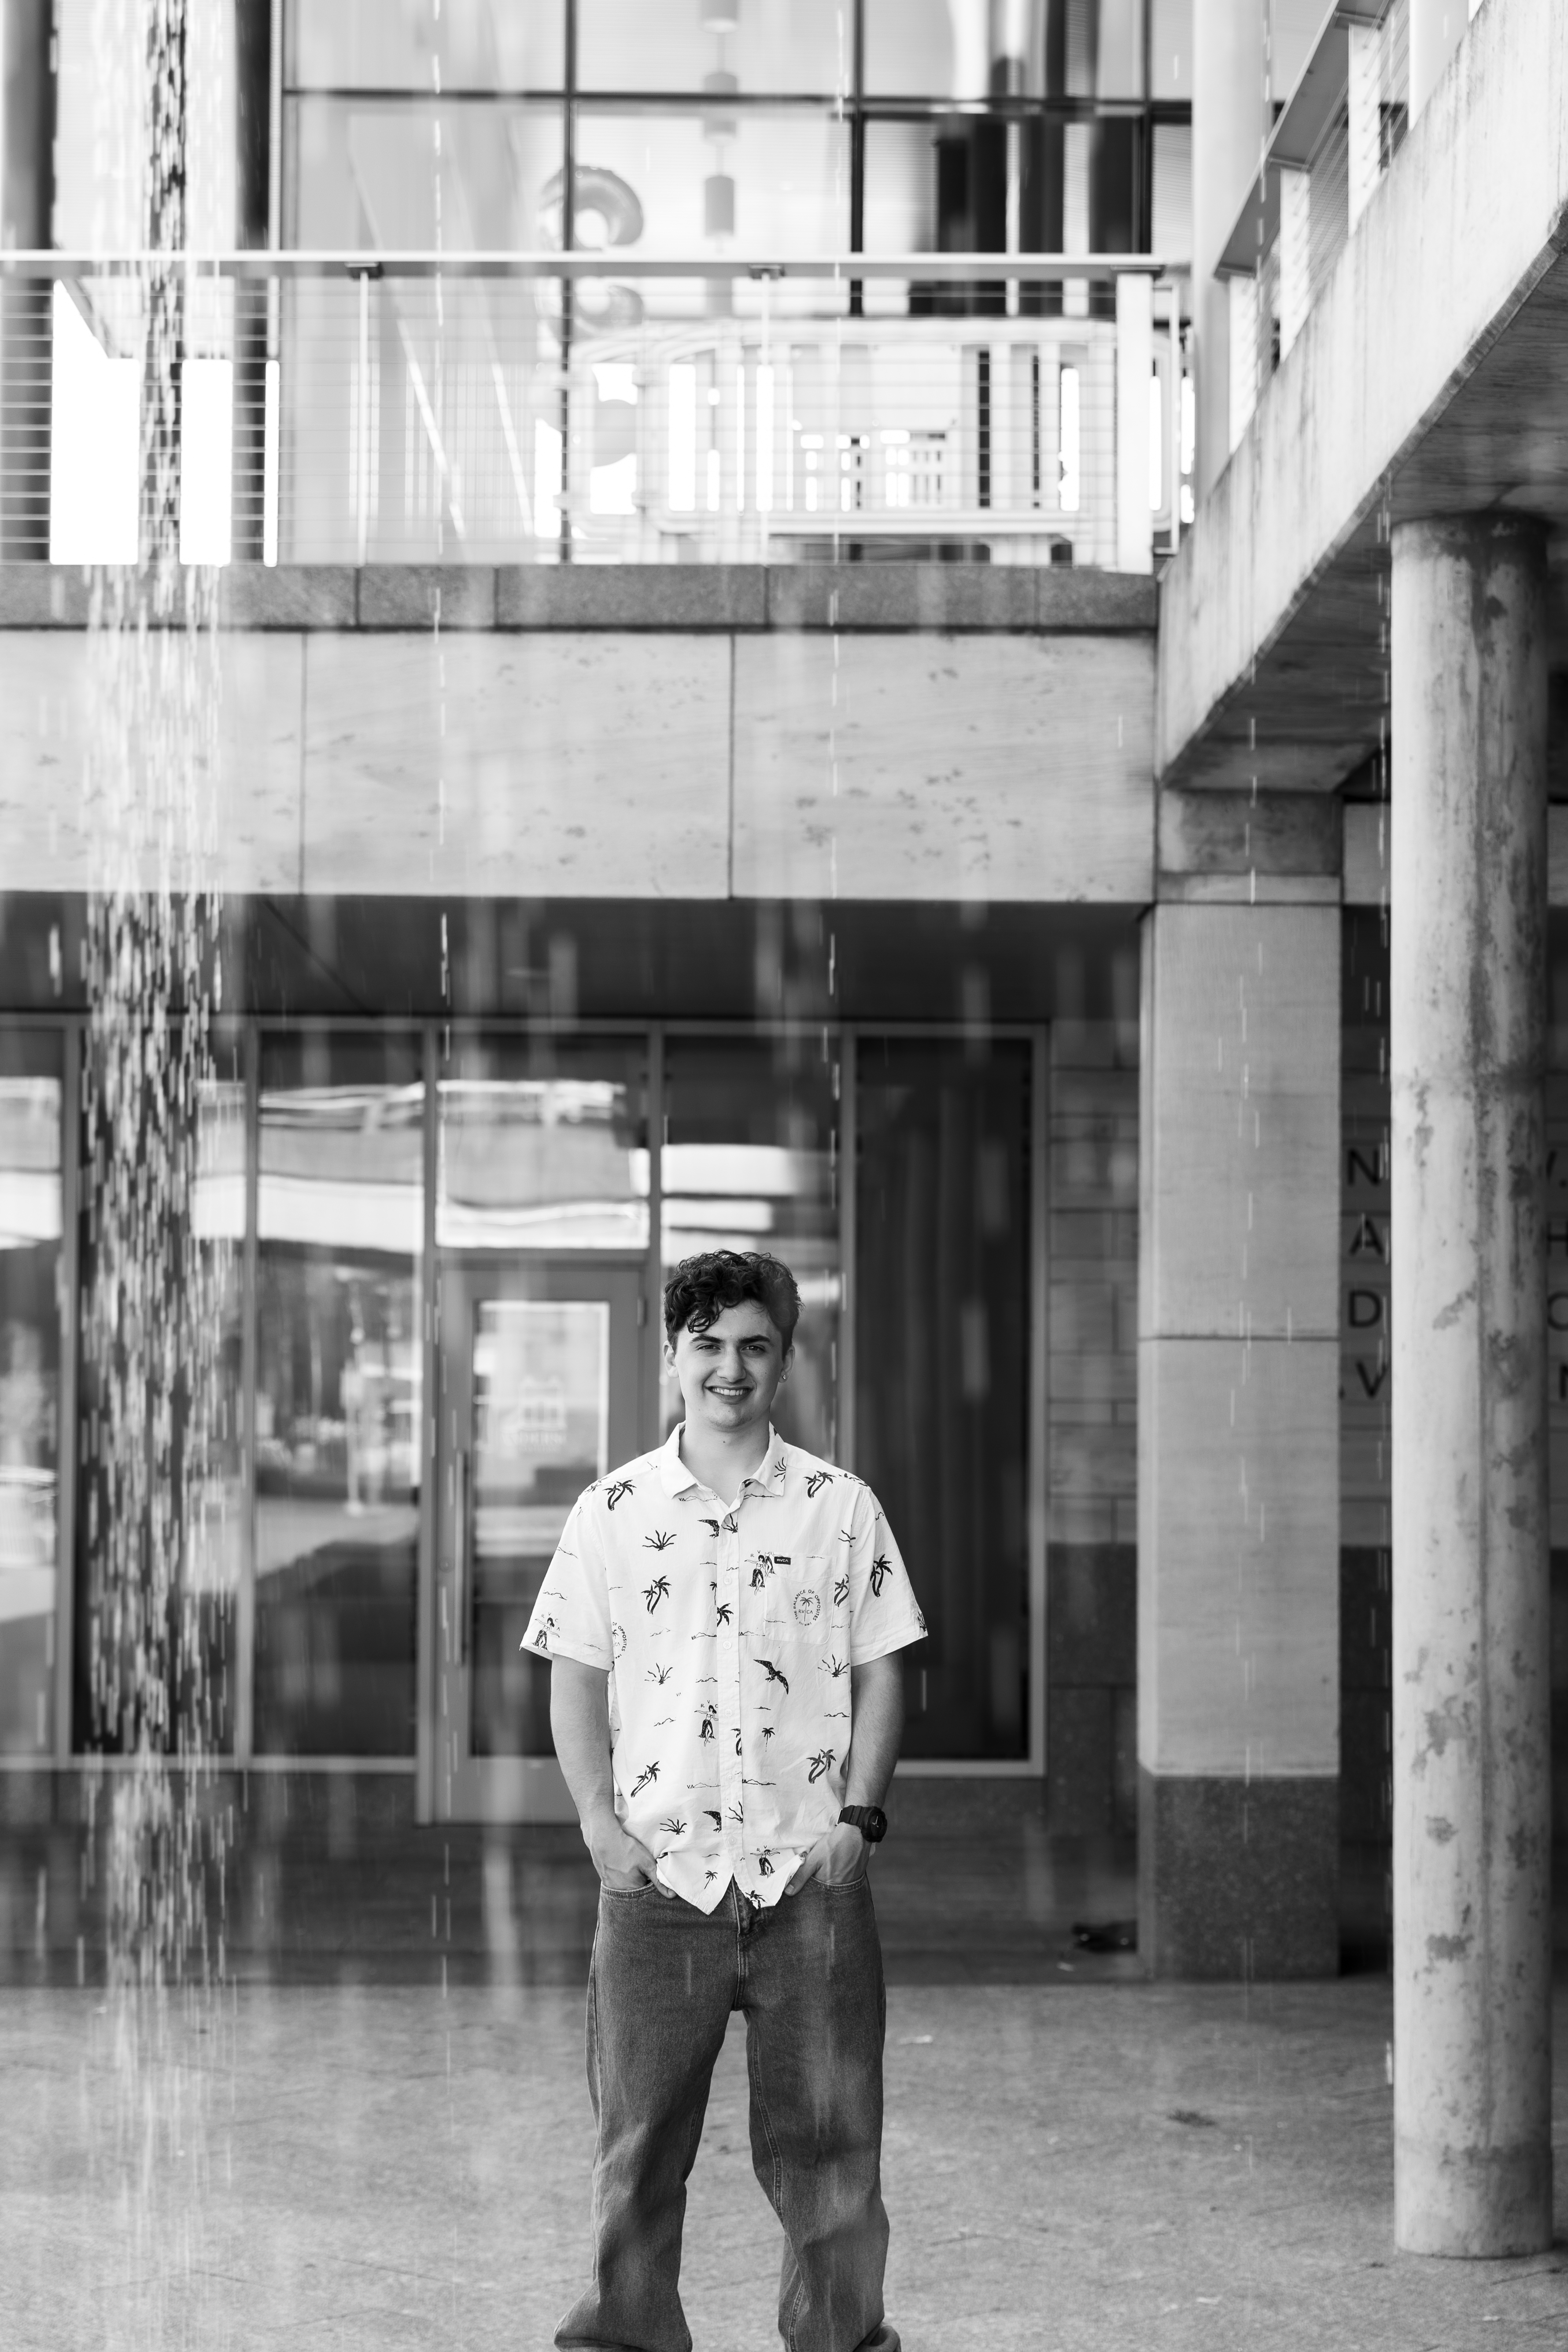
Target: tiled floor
[[325, 1892], [1069, 2168], [378, 2135]]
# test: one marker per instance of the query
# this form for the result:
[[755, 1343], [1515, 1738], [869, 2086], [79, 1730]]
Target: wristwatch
[[869, 1820]]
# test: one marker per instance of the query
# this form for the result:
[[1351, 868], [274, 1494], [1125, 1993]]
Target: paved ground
[[1070, 2166]]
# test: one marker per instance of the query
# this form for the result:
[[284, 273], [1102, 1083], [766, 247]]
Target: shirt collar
[[677, 1479]]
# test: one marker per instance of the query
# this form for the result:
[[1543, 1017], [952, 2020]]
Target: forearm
[[877, 1724], [580, 1720], [580, 1723]]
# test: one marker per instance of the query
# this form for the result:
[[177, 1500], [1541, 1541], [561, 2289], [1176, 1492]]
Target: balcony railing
[[542, 409], [1336, 135]]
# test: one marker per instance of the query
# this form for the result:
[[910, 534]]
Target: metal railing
[[354, 408]]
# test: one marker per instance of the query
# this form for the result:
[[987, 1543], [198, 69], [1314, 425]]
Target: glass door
[[540, 1379]]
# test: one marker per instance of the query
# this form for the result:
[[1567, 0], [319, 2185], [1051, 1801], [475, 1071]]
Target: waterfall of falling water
[[157, 1647]]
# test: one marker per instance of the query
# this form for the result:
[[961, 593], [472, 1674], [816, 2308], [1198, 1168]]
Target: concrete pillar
[[1472, 1918], [1436, 26], [1239, 1423], [1228, 138]]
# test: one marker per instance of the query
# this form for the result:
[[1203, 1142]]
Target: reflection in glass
[[30, 1228], [543, 1147], [964, 183], [459, 406], [941, 1388], [340, 1217], [975, 183], [796, 48], [971, 50], [399, 44], [365, 173], [1171, 200], [750, 1163], [1171, 48], [541, 1392], [743, 181]]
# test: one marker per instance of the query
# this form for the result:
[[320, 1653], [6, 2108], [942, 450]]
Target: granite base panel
[[1237, 1879]]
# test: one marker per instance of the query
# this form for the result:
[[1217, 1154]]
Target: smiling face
[[730, 1373]]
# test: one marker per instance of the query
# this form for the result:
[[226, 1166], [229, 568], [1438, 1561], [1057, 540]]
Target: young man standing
[[723, 1618]]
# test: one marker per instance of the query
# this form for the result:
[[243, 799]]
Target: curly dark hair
[[701, 1287]]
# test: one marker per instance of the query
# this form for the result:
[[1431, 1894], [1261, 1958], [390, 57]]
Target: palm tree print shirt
[[728, 1634]]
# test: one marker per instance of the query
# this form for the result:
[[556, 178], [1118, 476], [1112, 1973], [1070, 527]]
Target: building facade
[[705, 756]]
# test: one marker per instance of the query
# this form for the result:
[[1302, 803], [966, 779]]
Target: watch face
[[875, 1825]]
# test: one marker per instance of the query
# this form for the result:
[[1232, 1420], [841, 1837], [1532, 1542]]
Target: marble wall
[[610, 763]]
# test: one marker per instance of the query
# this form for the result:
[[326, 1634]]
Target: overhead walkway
[[1426, 378]]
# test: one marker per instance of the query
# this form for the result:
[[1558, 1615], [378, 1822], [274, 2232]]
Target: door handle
[[464, 1479]]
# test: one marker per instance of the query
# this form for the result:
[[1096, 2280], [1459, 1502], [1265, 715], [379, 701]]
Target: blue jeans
[[662, 1984]]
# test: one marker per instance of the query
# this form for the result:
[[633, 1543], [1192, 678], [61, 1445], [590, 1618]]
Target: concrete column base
[[1477, 2202], [1238, 1879]]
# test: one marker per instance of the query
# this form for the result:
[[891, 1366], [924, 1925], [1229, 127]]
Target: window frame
[[434, 1037]]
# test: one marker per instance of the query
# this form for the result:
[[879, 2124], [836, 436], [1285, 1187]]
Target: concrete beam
[[1232, 848], [954, 599], [995, 768], [622, 763]]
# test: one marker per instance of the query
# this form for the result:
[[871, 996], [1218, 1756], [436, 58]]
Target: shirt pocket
[[800, 1597]]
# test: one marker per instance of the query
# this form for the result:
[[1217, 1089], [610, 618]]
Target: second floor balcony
[[538, 409]]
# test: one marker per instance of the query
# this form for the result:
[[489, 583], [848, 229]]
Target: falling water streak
[[152, 1300]]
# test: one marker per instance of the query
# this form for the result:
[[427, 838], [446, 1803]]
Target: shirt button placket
[[730, 1776]]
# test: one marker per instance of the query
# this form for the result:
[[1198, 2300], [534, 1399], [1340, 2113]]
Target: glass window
[[964, 183], [1172, 236], [1004, 49], [1115, 185], [340, 1224], [942, 1368], [726, 182], [1171, 48], [365, 175], [542, 1433], [1119, 49], [544, 1147], [954, 49], [802, 47], [30, 1229], [464, 383], [750, 1163], [400, 44]]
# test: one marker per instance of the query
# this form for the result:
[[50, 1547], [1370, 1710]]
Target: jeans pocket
[[627, 1893]]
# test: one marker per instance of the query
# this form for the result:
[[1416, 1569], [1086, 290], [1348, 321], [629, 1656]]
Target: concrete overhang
[[1427, 379], [1320, 91]]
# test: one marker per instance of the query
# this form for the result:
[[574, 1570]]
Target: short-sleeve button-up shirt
[[728, 1633]]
